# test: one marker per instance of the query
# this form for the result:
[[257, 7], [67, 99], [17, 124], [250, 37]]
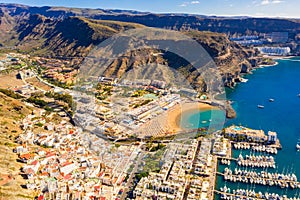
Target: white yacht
[[260, 106]]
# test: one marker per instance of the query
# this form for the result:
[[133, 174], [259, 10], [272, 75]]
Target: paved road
[[132, 175]]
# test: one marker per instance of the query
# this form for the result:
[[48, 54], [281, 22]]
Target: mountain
[[72, 36], [172, 21], [72, 33]]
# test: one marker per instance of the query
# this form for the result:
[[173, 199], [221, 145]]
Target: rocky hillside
[[232, 60], [73, 36], [56, 32], [11, 111], [170, 21]]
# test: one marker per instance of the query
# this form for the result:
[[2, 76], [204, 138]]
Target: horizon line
[[162, 13]]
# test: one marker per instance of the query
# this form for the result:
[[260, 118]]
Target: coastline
[[174, 115], [278, 57], [271, 65], [274, 58], [270, 120], [168, 123]]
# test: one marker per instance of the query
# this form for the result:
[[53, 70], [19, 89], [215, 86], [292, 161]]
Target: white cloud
[[184, 4], [277, 1], [265, 2], [268, 2]]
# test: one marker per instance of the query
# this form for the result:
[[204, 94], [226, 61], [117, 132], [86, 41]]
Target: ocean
[[281, 83]]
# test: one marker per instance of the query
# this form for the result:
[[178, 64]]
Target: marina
[[226, 193], [251, 168], [263, 148], [256, 147], [281, 116], [256, 161], [251, 161], [263, 178]]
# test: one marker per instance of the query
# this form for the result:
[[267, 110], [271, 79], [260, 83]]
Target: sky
[[258, 8]]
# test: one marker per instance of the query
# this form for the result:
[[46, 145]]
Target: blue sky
[[269, 8]]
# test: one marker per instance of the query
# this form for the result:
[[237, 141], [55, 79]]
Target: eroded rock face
[[230, 112], [47, 36], [245, 67]]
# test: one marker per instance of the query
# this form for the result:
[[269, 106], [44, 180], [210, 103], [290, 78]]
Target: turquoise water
[[211, 118], [281, 83]]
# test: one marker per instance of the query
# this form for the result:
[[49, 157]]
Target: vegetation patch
[[11, 93]]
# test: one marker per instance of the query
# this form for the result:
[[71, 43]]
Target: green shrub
[[11, 93]]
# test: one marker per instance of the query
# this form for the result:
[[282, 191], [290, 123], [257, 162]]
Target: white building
[[68, 168], [275, 51], [272, 137]]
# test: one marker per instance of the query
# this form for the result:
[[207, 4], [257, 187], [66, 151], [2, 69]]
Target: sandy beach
[[168, 123], [175, 113]]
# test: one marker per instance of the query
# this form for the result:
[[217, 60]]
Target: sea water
[[281, 83]]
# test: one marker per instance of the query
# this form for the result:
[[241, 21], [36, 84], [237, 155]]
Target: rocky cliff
[[171, 21], [52, 32], [70, 37]]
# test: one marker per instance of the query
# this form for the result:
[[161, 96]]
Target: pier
[[250, 194], [256, 161], [225, 195], [256, 147], [250, 161], [261, 178]]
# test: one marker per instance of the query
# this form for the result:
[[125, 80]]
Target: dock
[[234, 195], [262, 178]]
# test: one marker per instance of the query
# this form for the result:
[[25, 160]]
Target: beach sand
[[168, 123], [175, 113]]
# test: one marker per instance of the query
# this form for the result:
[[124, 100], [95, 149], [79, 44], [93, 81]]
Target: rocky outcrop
[[245, 67], [230, 112], [49, 37]]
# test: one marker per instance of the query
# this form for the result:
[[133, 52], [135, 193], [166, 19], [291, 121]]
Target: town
[[123, 144]]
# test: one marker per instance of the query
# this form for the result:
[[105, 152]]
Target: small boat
[[260, 106], [243, 80], [203, 122], [271, 100], [298, 146]]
